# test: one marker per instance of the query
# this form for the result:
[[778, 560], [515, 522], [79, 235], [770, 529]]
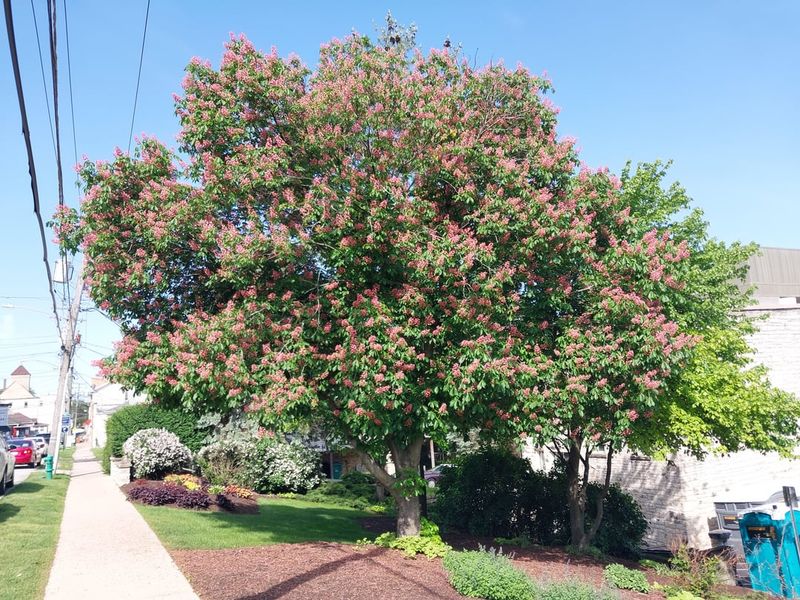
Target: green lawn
[[280, 521], [30, 519], [98, 453], [65, 459]]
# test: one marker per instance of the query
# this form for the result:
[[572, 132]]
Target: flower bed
[[171, 493]]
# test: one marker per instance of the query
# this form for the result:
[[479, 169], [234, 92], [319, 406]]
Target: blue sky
[[713, 86]]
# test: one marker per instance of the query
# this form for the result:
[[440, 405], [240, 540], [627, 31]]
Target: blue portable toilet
[[790, 561], [768, 539]]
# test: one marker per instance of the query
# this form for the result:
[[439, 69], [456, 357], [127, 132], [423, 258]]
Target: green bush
[[695, 571], [620, 576], [225, 461], [130, 419], [657, 567], [275, 466], [573, 590], [494, 493], [481, 494], [428, 542], [683, 595], [623, 526], [354, 490], [489, 575], [414, 544]]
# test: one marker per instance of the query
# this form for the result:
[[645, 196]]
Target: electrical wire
[[71, 101], [139, 76], [51, 21], [12, 46], [44, 80]]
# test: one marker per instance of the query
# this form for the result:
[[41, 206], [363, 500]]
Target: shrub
[[428, 542], [193, 499], [154, 452], [696, 572], [412, 545], [225, 461], [354, 490], [239, 491], [494, 493], [482, 494], [189, 482], [683, 595], [129, 419], [620, 576], [215, 489], [163, 494], [488, 574], [572, 590], [276, 466], [623, 526]]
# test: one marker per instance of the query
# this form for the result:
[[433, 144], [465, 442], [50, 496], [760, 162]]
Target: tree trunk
[[404, 458], [408, 514], [600, 502], [576, 497], [577, 488]]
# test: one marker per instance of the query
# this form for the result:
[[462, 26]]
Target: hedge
[[130, 419]]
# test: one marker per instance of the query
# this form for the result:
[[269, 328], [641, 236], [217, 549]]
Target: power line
[[71, 101], [12, 46], [44, 81], [51, 20], [139, 76]]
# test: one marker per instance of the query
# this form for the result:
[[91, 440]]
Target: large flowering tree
[[390, 248]]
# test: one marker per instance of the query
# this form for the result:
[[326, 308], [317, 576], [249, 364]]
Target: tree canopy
[[387, 247]]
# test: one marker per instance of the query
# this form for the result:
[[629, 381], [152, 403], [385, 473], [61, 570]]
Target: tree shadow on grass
[[26, 487], [7, 511], [292, 523]]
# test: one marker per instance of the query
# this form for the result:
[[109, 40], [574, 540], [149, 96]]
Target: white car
[[7, 462], [41, 445]]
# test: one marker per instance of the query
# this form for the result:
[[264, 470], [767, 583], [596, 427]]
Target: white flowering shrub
[[224, 462], [155, 452], [276, 466]]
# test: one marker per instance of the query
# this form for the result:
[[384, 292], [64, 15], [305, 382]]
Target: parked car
[[432, 476], [41, 444], [25, 452], [7, 462]]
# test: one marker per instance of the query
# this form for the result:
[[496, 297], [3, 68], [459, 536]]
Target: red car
[[25, 452]]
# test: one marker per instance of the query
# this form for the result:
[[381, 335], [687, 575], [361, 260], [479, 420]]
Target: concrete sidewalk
[[106, 549]]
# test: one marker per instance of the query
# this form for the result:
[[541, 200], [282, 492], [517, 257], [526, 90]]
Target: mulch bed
[[231, 503], [319, 570], [326, 570]]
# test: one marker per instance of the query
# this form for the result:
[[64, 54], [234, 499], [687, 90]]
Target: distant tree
[[389, 247]]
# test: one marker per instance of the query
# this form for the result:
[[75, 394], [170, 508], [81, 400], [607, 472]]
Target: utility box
[[769, 541]]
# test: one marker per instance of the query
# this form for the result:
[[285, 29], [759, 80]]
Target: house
[[21, 397], [678, 495], [105, 399]]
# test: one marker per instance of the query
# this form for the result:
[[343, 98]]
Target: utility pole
[[64, 379]]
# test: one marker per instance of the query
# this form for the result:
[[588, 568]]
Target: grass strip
[[30, 521]]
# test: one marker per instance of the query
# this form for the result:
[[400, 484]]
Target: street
[[22, 473]]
